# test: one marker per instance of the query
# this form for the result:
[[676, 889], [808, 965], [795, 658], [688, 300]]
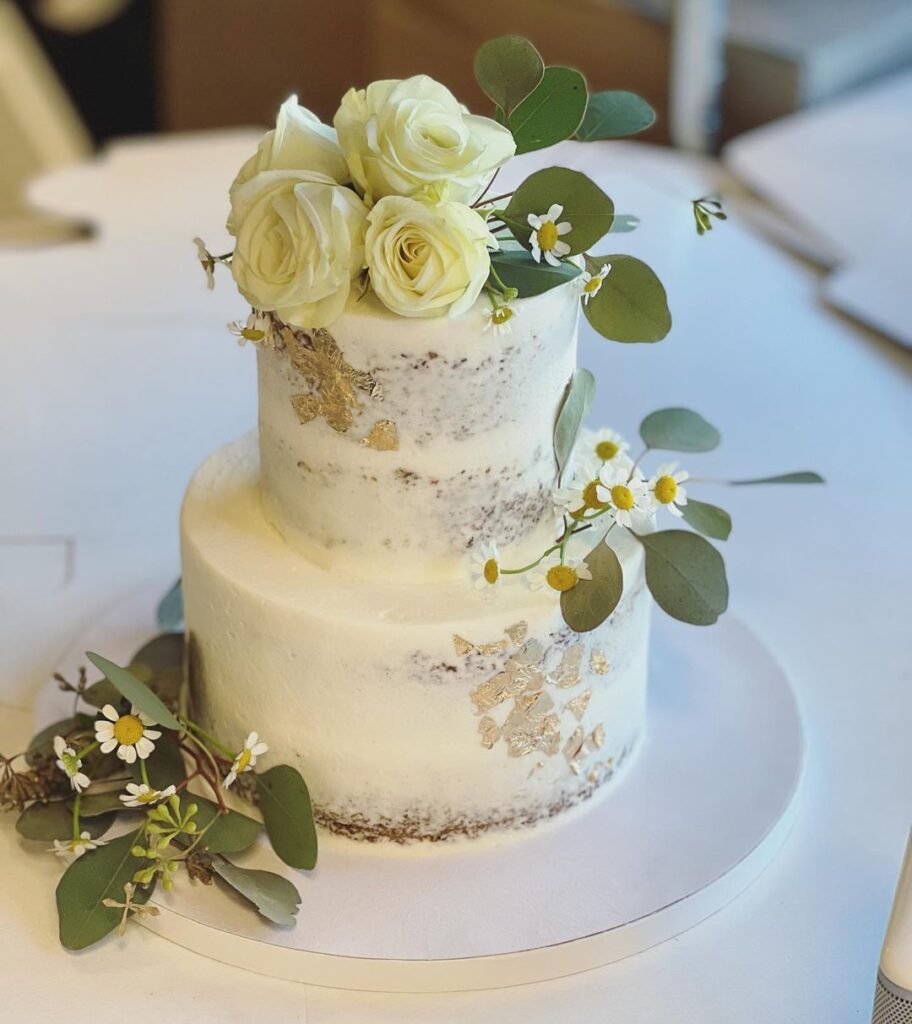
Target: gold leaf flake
[[598, 663], [490, 731], [594, 775], [596, 739], [531, 725], [462, 645], [578, 705], [569, 672], [573, 750], [493, 647], [496, 690], [518, 632], [383, 436]]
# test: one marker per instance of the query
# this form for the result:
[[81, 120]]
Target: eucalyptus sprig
[[73, 790]]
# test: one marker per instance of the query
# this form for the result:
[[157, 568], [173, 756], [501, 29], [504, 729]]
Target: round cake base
[[700, 811]]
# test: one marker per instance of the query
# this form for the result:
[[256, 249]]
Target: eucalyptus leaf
[[710, 520], [624, 223], [160, 665], [231, 833], [686, 576], [288, 815], [170, 612], [508, 68], [164, 766], [613, 114], [590, 602], [517, 269], [275, 897], [95, 876], [551, 112], [631, 305], [93, 805], [54, 820], [586, 208], [804, 476], [679, 430], [136, 692], [578, 401], [101, 693], [41, 745]]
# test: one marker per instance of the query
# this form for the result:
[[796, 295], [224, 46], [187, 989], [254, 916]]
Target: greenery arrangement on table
[[130, 760]]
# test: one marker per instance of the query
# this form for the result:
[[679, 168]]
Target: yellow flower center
[[592, 285], [70, 763], [501, 315], [590, 496], [491, 571], [243, 760], [622, 497], [148, 798], [547, 236], [561, 578], [128, 729], [606, 450], [251, 334], [665, 489]]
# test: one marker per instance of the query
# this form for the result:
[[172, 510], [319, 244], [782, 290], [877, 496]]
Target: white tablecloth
[[119, 377]]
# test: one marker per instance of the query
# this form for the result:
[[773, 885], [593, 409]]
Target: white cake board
[[702, 809]]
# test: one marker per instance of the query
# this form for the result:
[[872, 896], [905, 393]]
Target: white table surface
[[118, 377]]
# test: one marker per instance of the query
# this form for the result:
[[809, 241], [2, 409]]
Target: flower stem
[[76, 804], [87, 750], [554, 547], [193, 727]]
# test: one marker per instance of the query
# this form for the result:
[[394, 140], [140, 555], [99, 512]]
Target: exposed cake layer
[[390, 446], [414, 711]]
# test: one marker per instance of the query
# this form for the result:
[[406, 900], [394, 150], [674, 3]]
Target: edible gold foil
[[462, 645], [598, 663], [577, 706], [518, 632], [383, 436]]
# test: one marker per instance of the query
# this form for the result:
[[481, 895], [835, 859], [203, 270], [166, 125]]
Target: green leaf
[[686, 576], [275, 897], [164, 766], [710, 520], [508, 68], [288, 816], [170, 612], [551, 112], [136, 692], [518, 270], [624, 223], [101, 693], [578, 400], [97, 875], [41, 746], [160, 665], [231, 833], [590, 602], [586, 208], [51, 821], [631, 305], [804, 476], [93, 805], [613, 114], [679, 430]]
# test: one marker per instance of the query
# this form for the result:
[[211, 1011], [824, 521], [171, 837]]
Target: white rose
[[299, 142], [300, 241], [401, 137], [427, 259]]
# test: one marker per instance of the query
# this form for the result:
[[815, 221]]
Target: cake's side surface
[[415, 712], [390, 446]]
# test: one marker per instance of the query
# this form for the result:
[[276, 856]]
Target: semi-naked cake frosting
[[327, 591]]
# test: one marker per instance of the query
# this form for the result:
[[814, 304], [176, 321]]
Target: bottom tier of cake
[[420, 712]]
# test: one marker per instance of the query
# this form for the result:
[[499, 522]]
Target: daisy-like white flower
[[257, 329], [130, 734], [206, 261], [486, 566], [71, 849], [498, 320], [624, 495], [606, 445], [665, 488], [546, 234], [141, 795], [557, 575], [589, 284], [70, 764], [246, 759]]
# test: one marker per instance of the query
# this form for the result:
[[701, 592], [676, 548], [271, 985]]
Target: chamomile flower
[[207, 261], [70, 764], [581, 493], [129, 734], [665, 488], [257, 329], [557, 575], [625, 495], [499, 319], [606, 445], [72, 849], [545, 238], [486, 566], [589, 284], [246, 759], [141, 795]]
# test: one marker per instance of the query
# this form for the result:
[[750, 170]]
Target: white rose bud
[[427, 259], [299, 142], [409, 136], [300, 242]]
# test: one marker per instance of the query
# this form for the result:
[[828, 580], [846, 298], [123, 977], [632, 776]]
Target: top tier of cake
[[390, 447]]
